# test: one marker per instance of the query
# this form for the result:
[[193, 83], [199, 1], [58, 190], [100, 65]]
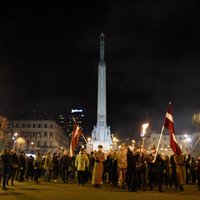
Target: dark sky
[[49, 57]]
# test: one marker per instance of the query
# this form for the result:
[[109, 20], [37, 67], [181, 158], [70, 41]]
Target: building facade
[[185, 141], [37, 135], [67, 121]]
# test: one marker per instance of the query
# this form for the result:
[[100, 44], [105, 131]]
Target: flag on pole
[[77, 132], [169, 124]]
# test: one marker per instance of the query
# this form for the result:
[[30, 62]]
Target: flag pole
[[84, 138], [157, 148], [82, 131]]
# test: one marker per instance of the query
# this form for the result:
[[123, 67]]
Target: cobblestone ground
[[58, 190]]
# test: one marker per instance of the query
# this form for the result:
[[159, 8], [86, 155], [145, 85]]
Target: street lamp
[[16, 134], [14, 138], [31, 146], [115, 140], [20, 142], [187, 143], [89, 145]]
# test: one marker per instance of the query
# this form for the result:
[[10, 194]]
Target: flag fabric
[[77, 132], [169, 124]]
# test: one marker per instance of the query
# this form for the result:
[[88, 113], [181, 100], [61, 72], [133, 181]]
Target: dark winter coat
[[5, 164]]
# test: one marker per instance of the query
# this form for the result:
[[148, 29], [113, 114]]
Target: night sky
[[49, 57]]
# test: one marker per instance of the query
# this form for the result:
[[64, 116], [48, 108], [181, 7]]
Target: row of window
[[39, 144], [29, 125], [167, 138], [36, 134]]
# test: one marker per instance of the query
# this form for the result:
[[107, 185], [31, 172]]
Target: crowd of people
[[129, 168]]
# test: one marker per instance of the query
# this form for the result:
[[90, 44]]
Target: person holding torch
[[141, 170]]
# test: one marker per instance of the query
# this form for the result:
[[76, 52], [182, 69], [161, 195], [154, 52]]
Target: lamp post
[[89, 139], [115, 140], [20, 142], [89, 145], [14, 138], [31, 147], [187, 143]]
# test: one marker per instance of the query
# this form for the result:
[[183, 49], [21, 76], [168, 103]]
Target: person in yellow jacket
[[81, 164]]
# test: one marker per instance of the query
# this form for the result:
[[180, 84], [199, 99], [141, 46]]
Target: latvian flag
[[75, 138], [169, 124]]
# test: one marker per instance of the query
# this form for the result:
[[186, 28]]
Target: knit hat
[[100, 146]]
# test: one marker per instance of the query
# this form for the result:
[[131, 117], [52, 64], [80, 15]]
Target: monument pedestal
[[93, 145], [101, 136]]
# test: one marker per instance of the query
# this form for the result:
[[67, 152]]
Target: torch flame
[[144, 127]]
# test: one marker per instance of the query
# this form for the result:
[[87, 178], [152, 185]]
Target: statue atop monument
[[102, 48]]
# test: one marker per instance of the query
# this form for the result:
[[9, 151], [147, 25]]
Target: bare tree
[[3, 126]]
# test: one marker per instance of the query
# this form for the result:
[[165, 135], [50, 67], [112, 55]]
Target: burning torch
[[142, 134]]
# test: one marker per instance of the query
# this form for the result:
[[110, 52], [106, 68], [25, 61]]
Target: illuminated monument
[[101, 133]]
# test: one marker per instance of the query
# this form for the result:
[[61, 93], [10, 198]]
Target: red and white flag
[[169, 124], [77, 132]]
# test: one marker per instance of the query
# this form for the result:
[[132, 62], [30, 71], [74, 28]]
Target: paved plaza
[[51, 191]]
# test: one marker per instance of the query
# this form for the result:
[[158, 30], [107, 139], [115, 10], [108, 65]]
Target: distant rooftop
[[29, 115]]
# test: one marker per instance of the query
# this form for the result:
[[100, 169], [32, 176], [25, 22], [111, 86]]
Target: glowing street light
[[115, 140], [89, 145], [31, 147], [20, 142], [189, 139], [187, 143], [14, 138], [15, 134]]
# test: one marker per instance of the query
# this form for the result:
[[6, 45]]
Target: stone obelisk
[[101, 133]]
